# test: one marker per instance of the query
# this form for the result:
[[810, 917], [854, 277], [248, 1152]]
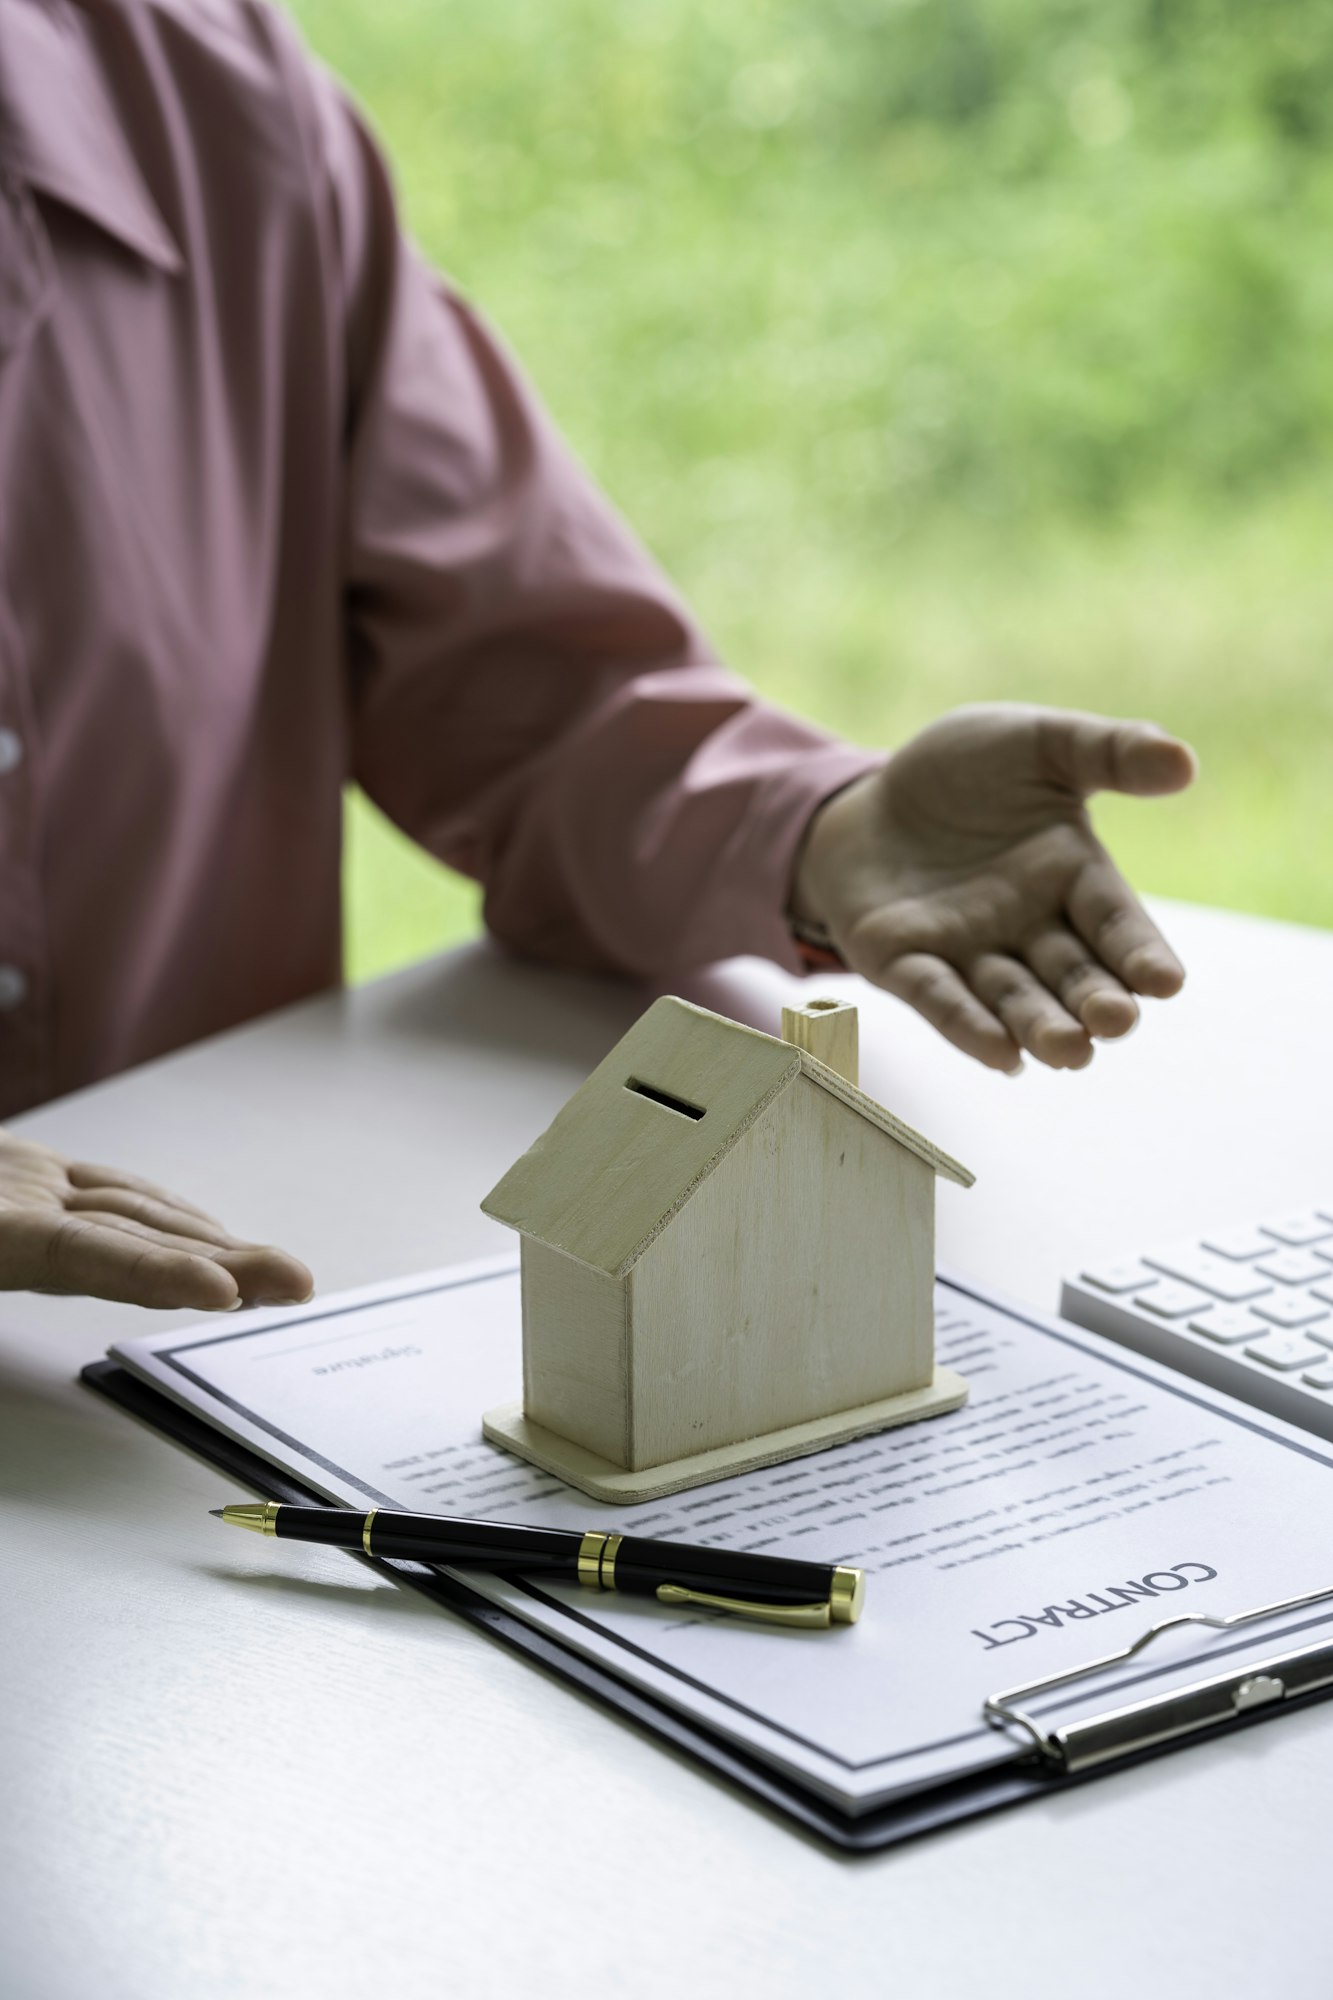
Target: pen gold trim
[[843, 1607], [590, 1559], [808, 1617], [597, 1559], [847, 1594], [365, 1531], [259, 1517]]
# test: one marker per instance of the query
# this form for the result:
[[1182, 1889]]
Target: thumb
[[1094, 753]]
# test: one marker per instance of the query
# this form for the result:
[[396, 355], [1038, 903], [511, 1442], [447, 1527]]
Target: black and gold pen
[[773, 1589]]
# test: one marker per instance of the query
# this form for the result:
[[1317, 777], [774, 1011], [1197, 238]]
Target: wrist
[[814, 947], [821, 856]]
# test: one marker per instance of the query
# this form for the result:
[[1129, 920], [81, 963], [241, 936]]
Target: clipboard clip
[[1205, 1703]]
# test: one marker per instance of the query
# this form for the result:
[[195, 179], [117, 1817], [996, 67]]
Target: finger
[[1085, 989], [149, 1210], [72, 1253], [941, 996], [1033, 1016], [84, 1175], [1093, 753], [262, 1275], [1112, 922], [25, 1156]]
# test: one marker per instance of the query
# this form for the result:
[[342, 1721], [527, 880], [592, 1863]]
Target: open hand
[[965, 877], [67, 1227]]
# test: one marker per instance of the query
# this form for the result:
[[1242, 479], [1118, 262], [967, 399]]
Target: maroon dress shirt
[[277, 511]]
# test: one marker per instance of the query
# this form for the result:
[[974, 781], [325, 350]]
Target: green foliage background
[[943, 350]]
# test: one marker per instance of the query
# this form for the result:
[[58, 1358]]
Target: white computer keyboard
[[1248, 1308]]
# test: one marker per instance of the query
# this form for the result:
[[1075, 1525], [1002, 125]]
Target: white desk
[[224, 1777]]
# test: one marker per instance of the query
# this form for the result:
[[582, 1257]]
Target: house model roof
[[650, 1124]]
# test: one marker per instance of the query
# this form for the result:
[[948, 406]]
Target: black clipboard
[[1035, 1776]]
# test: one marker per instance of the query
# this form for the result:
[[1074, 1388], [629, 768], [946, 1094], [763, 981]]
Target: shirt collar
[[60, 131]]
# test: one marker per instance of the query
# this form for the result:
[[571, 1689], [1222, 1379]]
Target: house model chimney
[[826, 1030]]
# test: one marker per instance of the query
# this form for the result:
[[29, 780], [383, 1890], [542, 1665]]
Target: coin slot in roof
[[665, 1099]]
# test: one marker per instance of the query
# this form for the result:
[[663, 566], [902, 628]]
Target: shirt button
[[13, 988], [11, 752]]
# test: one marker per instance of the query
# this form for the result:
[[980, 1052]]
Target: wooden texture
[[827, 1029], [723, 1238], [796, 1282], [614, 1166], [575, 1363], [603, 1480], [846, 1093]]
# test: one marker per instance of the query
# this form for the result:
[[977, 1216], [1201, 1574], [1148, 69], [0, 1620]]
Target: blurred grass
[[943, 351]]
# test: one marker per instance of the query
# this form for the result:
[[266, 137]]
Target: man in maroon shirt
[[279, 511]]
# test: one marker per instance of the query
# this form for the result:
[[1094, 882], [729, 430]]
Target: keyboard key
[[1320, 1378], [1172, 1301], [1239, 1243], [1286, 1352], [1293, 1267], [1228, 1325], [1290, 1309], [1127, 1277], [1324, 1290], [1214, 1274], [1306, 1228]]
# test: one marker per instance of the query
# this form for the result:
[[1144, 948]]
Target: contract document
[[1081, 1494]]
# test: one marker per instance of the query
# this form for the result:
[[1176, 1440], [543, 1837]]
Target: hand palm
[[68, 1227], [965, 877]]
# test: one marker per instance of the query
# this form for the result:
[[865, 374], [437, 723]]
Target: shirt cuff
[[759, 867]]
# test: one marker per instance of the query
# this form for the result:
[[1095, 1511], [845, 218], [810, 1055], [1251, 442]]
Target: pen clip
[[809, 1617]]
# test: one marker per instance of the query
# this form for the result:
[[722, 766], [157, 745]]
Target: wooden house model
[[727, 1258]]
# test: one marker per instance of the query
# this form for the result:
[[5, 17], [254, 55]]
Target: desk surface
[[225, 1777]]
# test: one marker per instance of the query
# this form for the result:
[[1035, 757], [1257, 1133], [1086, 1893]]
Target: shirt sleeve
[[532, 701]]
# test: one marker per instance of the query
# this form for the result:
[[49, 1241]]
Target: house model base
[[604, 1480]]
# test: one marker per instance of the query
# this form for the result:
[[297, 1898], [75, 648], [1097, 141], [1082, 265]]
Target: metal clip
[[1202, 1703], [809, 1617]]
